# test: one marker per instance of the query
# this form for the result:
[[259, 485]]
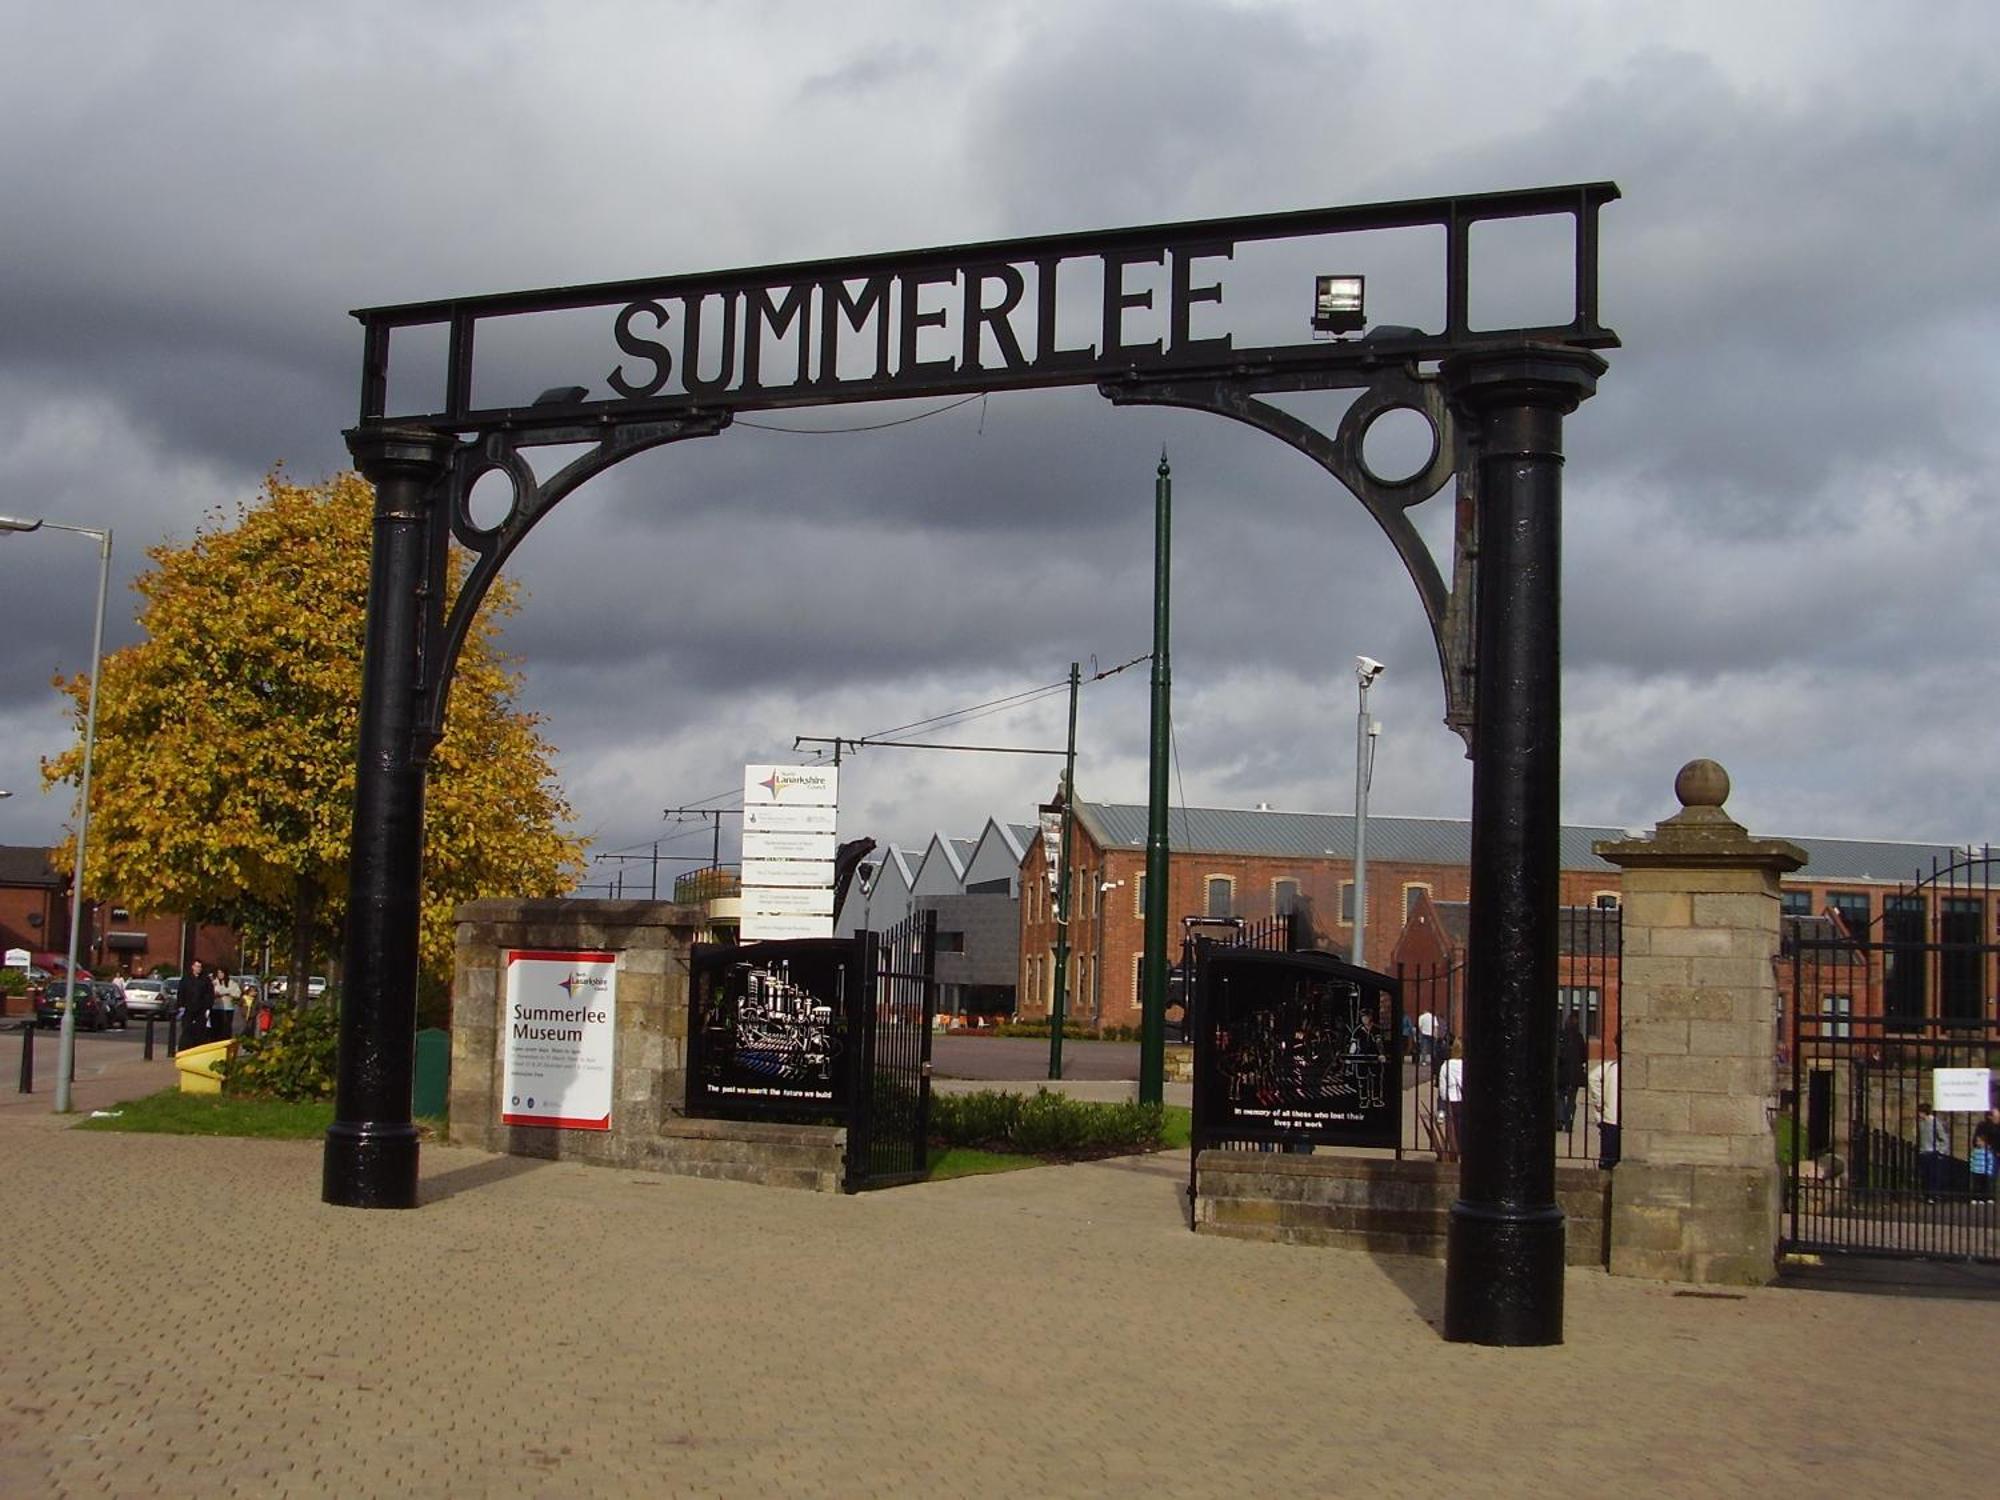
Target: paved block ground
[[188, 1319]]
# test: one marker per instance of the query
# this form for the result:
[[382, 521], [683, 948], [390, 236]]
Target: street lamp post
[[66, 1047], [1366, 670]]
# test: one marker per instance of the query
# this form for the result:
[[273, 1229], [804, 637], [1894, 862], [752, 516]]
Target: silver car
[[147, 997]]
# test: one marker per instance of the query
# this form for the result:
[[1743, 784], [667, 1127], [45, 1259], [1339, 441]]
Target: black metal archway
[[687, 353]]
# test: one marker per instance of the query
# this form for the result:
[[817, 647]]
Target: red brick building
[[34, 914], [1255, 864], [1429, 958]]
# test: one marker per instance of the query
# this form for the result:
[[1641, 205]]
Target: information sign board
[[787, 872], [759, 843], [788, 830], [788, 819], [558, 1039], [1962, 1090]]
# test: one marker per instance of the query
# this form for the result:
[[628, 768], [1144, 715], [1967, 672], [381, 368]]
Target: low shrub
[[297, 1059], [1045, 1124], [1075, 1030], [980, 1119]]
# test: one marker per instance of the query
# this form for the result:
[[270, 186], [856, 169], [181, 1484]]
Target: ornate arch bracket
[[492, 543], [1449, 608]]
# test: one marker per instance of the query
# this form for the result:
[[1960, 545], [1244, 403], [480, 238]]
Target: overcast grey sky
[[1779, 508]]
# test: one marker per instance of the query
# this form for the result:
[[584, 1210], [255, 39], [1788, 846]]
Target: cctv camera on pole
[[1366, 670]]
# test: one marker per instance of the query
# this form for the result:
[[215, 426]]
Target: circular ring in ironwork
[[522, 484], [1370, 407]]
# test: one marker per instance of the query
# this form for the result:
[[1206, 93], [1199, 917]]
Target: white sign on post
[[790, 901], [559, 1030], [760, 844], [787, 819], [789, 815], [1962, 1090], [787, 872]]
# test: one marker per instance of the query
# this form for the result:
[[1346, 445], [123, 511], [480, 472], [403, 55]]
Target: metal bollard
[[149, 1039], [28, 1058], [173, 1033]]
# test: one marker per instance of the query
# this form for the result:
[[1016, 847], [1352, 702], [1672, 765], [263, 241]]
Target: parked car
[[90, 1012], [279, 986], [116, 1013], [148, 997]]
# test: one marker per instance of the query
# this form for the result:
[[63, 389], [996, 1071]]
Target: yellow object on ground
[[196, 1066]]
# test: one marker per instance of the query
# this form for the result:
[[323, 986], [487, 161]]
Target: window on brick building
[[1604, 900], [1347, 902], [1221, 897], [1854, 911], [1581, 1003], [1961, 959], [1903, 962], [1410, 893], [951, 942], [1139, 894], [1795, 903], [1284, 897]]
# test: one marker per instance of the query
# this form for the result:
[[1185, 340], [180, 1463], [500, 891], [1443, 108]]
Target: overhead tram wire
[[998, 705], [1027, 695], [958, 717]]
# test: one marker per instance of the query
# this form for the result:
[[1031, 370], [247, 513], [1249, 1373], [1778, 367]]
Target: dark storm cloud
[[1776, 503]]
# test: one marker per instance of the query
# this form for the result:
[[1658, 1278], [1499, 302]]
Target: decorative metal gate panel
[[1888, 1029], [1293, 1050], [821, 1031], [888, 1134], [772, 1029]]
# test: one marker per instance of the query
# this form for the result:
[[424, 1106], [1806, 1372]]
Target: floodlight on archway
[[682, 355]]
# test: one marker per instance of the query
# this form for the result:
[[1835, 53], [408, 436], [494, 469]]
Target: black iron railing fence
[[1882, 1139], [1585, 1015]]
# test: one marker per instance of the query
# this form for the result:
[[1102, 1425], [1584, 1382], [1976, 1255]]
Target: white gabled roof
[[998, 854]]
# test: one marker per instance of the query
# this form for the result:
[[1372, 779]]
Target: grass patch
[[965, 1161], [1177, 1128], [170, 1112], [1789, 1140]]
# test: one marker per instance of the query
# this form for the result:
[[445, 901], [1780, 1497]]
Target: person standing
[[1933, 1148], [1985, 1155], [1602, 1092], [1572, 1062], [1451, 1098], [227, 993], [197, 1004], [1427, 1026]]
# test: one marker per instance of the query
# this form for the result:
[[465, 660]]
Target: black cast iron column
[[1504, 1260], [371, 1148]]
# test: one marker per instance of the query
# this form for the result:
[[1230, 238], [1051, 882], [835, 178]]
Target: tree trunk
[[305, 914]]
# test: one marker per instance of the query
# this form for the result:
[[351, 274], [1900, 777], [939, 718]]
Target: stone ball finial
[[1703, 784]]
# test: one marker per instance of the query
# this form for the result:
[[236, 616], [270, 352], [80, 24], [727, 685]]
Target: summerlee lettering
[[923, 327]]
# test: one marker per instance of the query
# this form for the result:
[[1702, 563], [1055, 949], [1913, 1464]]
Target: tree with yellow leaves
[[223, 784]]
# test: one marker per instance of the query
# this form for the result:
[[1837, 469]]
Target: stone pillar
[[1695, 1195]]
